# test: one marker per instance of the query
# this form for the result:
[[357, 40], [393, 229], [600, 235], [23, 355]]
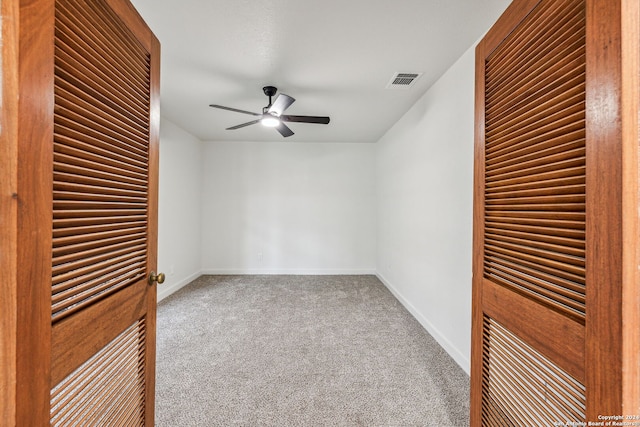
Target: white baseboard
[[285, 271], [460, 358], [165, 291]]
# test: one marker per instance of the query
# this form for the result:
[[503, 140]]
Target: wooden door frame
[[612, 340], [630, 135], [26, 174], [35, 198], [612, 257], [8, 211]]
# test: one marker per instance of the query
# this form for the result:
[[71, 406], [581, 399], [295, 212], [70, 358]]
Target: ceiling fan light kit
[[272, 114], [270, 122]]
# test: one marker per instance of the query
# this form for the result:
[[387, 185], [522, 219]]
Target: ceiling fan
[[272, 114]]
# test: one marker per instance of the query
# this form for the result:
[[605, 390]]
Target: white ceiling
[[334, 56]]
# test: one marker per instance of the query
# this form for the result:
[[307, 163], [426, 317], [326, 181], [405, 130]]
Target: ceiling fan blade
[[284, 130], [281, 103], [234, 109], [253, 122], [306, 119]]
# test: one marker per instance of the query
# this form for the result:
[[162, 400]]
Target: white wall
[[424, 206], [288, 207], [179, 213]]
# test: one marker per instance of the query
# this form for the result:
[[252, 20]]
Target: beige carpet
[[300, 351]]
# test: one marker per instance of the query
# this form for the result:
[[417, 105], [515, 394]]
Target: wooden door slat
[[61, 242], [568, 231], [78, 230], [548, 52], [101, 171], [70, 295], [111, 168], [565, 286], [80, 179], [66, 138], [524, 36], [70, 59], [135, 113], [113, 40], [97, 197], [556, 239], [535, 185], [89, 213], [91, 112], [531, 153], [568, 268], [61, 223], [117, 165], [514, 201], [104, 46], [548, 190], [572, 131], [563, 253], [69, 205], [556, 163], [551, 207], [576, 218], [538, 291], [80, 119], [69, 131], [60, 269], [568, 88], [89, 75], [566, 65], [545, 118], [71, 279], [93, 48], [84, 189], [539, 73], [75, 256], [96, 242], [535, 178], [569, 74]]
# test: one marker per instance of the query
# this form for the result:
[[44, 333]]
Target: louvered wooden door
[[555, 319], [89, 83]]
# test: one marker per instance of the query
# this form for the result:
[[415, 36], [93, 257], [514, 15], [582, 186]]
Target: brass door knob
[[153, 277]]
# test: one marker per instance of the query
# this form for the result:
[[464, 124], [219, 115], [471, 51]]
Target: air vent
[[403, 80]]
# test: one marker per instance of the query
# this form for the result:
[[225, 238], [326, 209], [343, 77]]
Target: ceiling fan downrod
[[269, 91]]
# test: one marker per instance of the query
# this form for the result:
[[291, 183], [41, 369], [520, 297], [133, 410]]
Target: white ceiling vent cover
[[403, 80]]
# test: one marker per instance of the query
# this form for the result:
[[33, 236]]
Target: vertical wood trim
[[604, 210], [8, 210], [475, 418], [510, 18], [154, 146], [35, 155], [631, 204]]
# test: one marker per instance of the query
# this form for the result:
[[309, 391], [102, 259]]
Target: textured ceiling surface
[[335, 57]]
